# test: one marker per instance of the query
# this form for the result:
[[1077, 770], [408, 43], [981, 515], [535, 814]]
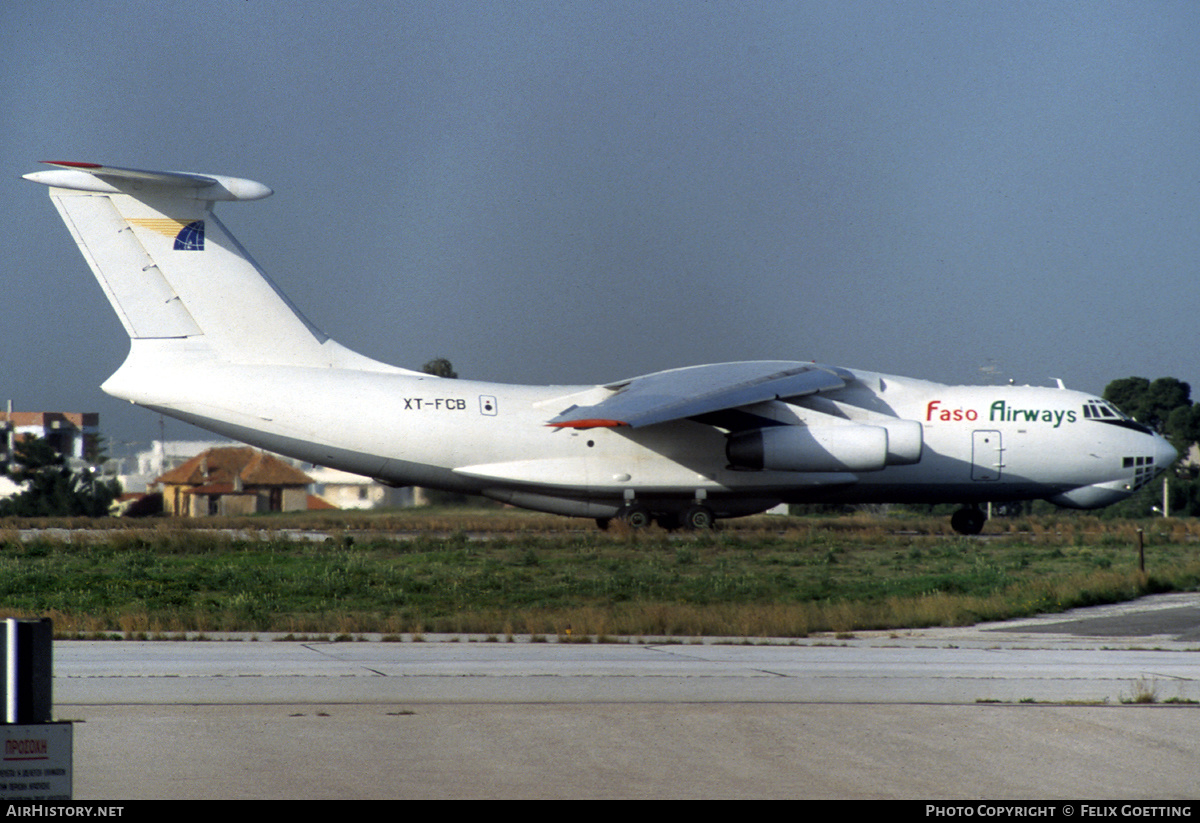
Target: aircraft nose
[[1164, 453]]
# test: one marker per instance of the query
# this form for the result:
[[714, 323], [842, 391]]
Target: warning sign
[[36, 761]]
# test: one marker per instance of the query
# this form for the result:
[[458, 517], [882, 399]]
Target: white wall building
[[353, 491], [341, 489]]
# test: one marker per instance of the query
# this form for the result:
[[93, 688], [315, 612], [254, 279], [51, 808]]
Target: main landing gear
[[968, 520], [698, 517], [636, 516]]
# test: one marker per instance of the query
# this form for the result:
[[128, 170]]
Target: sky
[[579, 192]]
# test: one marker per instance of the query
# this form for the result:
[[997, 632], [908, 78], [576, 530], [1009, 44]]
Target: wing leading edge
[[678, 394]]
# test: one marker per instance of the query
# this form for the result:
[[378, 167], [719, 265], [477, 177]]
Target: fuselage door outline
[[986, 455]]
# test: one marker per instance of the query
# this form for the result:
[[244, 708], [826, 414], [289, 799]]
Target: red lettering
[[947, 415], [25, 746]]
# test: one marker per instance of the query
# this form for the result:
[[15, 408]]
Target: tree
[[51, 488], [1183, 424], [1150, 404], [1164, 405], [440, 367]]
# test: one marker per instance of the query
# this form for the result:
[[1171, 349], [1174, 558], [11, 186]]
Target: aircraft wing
[[682, 393]]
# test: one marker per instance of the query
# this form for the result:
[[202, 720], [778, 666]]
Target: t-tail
[[176, 277]]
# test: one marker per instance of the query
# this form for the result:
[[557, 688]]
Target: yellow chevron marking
[[161, 225]]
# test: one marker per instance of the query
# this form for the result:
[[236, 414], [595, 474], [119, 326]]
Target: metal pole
[[27, 670]]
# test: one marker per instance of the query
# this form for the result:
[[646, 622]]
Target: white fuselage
[[981, 443]]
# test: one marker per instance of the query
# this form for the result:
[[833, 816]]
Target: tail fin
[[172, 270]]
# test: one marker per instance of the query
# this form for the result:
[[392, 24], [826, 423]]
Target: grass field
[[500, 572]]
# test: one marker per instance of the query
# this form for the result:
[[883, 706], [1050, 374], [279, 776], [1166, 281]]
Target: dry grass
[[500, 572]]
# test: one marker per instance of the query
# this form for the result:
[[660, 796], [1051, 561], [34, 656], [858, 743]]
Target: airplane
[[215, 343]]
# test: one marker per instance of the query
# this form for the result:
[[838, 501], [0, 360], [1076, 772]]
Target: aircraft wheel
[[968, 521], [699, 518], [636, 517]]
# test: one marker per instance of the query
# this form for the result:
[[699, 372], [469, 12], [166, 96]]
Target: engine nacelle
[[846, 448], [906, 441]]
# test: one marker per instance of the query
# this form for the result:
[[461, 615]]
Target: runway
[[1028, 709]]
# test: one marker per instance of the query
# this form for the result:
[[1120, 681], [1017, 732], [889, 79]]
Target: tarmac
[[1096, 703]]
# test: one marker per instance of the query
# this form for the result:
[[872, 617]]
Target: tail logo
[[188, 236]]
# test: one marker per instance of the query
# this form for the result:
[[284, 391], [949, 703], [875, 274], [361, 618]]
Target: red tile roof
[[222, 466]]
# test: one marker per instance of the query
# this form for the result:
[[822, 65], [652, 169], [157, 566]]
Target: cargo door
[[986, 455]]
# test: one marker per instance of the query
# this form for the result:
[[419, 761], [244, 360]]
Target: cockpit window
[[1099, 410], [1105, 412]]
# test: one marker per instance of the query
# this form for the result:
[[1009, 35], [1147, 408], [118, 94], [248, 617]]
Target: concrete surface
[[1040, 708]]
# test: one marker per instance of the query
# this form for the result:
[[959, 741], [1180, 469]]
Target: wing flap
[[678, 394]]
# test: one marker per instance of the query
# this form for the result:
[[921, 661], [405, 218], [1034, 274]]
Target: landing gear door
[[986, 455]]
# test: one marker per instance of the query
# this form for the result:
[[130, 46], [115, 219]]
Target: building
[[344, 490], [71, 434], [74, 435], [233, 481], [160, 458], [336, 489]]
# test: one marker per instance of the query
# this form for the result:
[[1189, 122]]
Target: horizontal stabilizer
[[116, 180]]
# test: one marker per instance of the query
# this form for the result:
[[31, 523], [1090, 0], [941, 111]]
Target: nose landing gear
[[968, 520]]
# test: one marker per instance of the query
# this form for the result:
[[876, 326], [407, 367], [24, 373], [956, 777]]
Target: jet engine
[[844, 448]]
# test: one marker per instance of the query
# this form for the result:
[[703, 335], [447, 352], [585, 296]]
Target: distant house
[[233, 481], [343, 490], [74, 435], [71, 434], [161, 457]]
